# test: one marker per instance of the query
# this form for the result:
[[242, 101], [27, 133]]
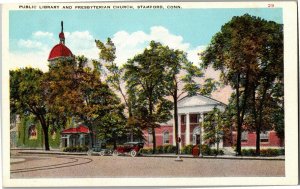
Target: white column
[[187, 130], [201, 128], [179, 129], [201, 119], [68, 141]]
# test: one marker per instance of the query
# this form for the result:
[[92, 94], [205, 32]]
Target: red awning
[[79, 129]]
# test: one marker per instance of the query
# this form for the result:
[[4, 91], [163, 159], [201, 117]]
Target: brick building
[[191, 111]]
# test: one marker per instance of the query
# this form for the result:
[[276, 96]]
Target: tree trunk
[[257, 129], [154, 140], [218, 141], [239, 125], [176, 121], [152, 124], [129, 117], [259, 125], [45, 131], [257, 151]]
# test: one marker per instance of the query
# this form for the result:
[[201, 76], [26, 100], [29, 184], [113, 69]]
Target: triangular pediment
[[197, 100]]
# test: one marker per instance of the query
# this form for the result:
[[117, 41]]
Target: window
[[244, 137], [183, 119], [264, 136], [150, 136], [32, 132], [166, 137], [53, 133]]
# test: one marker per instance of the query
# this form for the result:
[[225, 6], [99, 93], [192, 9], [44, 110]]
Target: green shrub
[[270, 152], [216, 152], [159, 149], [248, 152], [146, 151], [76, 149], [263, 152], [187, 149], [171, 149], [205, 149]]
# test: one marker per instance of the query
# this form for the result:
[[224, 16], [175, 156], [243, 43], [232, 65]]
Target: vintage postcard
[[149, 94]]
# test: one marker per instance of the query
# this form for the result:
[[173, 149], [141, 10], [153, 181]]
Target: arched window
[[150, 136], [32, 132], [244, 137], [166, 137]]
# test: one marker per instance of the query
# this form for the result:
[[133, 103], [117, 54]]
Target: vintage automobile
[[99, 149], [94, 150], [131, 148]]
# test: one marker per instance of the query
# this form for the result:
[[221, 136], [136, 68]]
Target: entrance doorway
[[197, 139], [196, 136]]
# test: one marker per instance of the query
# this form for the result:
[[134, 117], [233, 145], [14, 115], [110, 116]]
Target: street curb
[[220, 157], [53, 153], [163, 156]]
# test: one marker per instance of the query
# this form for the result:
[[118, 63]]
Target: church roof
[[79, 129], [59, 51], [198, 100]]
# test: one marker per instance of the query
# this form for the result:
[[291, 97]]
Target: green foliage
[[76, 149], [169, 149], [252, 65], [207, 151], [23, 139], [187, 149], [54, 141], [145, 86], [214, 126], [263, 152], [146, 151], [114, 78]]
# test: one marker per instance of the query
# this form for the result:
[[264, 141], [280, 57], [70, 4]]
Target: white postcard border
[[291, 111]]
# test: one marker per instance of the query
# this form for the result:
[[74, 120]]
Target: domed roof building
[[60, 51]]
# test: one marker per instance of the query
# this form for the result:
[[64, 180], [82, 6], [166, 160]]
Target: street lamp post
[[178, 155]]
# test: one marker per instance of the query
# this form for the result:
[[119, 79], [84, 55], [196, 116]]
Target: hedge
[[76, 149], [167, 149], [263, 152]]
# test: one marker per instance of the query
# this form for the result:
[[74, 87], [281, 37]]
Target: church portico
[[191, 112]]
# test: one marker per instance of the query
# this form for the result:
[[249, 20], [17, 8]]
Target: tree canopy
[[249, 53]]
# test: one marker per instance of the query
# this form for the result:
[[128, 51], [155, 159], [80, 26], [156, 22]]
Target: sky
[[32, 34]]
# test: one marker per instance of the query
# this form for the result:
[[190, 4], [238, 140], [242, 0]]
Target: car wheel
[[115, 153], [89, 152], [102, 153], [133, 153]]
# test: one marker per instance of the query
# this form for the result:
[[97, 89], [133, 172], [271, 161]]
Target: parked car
[[99, 149], [131, 148], [94, 150]]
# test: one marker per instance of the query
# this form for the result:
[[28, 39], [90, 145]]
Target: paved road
[[64, 166]]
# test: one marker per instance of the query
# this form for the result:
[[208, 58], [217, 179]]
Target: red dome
[[58, 51]]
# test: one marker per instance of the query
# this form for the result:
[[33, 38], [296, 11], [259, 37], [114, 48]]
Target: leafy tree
[[61, 85], [214, 126], [144, 74], [114, 78], [108, 115], [243, 59], [181, 78], [27, 97]]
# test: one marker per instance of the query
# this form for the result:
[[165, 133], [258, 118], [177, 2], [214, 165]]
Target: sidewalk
[[57, 152]]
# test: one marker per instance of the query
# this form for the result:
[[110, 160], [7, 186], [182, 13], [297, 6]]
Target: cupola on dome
[[60, 50]]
